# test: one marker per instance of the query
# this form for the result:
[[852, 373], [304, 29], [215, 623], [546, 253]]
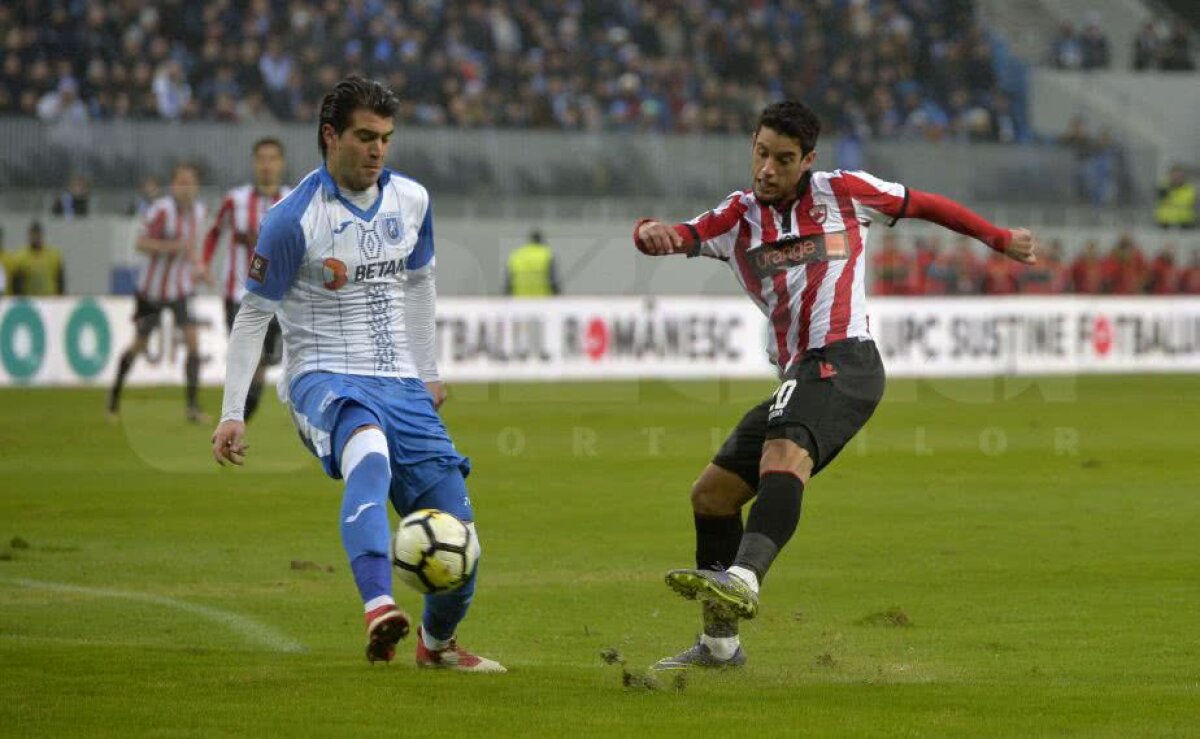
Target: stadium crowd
[[928, 268], [895, 68], [1159, 45]]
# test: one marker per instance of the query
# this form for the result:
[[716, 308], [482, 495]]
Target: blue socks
[[363, 518]]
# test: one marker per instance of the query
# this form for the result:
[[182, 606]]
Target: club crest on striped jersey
[[779, 256], [819, 213]]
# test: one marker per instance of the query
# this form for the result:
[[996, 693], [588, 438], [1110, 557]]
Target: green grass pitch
[[991, 558]]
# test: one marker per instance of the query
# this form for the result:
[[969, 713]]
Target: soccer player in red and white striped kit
[[167, 240], [795, 244], [237, 223]]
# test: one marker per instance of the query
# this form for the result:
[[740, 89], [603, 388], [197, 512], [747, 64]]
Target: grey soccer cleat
[[699, 655], [729, 595]]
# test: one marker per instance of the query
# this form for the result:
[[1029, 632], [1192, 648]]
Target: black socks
[[772, 521], [192, 375], [717, 540]]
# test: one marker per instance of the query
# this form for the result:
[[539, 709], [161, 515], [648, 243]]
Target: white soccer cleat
[[453, 657]]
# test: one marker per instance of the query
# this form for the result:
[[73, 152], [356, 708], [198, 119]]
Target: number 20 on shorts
[[783, 395]]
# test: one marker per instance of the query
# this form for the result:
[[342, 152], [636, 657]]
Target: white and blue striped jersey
[[337, 276]]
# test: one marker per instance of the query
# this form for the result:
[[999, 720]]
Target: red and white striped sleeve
[[710, 234], [213, 237], [154, 222], [713, 234], [889, 199]]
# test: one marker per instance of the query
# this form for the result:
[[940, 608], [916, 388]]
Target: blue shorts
[[420, 448]]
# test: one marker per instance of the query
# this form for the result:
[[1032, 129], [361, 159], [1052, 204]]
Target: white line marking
[[252, 631]]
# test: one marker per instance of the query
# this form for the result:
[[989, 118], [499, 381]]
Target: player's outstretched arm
[[710, 234], [658, 239], [1022, 247], [1017, 244]]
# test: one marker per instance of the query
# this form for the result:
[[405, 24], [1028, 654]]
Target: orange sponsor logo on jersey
[[335, 273], [801, 250]]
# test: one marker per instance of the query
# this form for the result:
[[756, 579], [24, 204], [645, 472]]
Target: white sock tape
[[370, 441]]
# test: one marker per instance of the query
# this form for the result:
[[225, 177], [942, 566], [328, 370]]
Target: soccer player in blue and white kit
[[346, 263]]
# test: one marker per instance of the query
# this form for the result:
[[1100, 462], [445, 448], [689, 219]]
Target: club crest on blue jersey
[[392, 231]]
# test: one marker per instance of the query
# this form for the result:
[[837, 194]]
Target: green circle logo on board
[[87, 339], [22, 341]]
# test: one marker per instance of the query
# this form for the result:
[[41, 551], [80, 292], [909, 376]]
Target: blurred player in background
[[168, 244], [795, 242], [237, 223], [346, 263]]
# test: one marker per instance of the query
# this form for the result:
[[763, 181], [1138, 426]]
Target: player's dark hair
[[182, 165], [793, 119], [352, 93], [269, 141]]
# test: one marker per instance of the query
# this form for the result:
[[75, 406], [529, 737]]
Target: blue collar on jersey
[[331, 188]]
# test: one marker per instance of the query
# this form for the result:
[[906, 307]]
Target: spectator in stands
[[891, 268], [1048, 276], [998, 277], [968, 267], [62, 104], [1125, 269], [1098, 170], [955, 271], [38, 268], [1189, 282], [172, 93], [925, 252], [662, 66], [1164, 276], [1093, 44], [1176, 52], [73, 202], [1176, 201], [1147, 47], [1087, 271], [1066, 50]]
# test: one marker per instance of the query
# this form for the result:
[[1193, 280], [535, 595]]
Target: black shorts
[[272, 351], [823, 401], [146, 314]]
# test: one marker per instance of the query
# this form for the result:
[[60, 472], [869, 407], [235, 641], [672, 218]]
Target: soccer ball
[[433, 551]]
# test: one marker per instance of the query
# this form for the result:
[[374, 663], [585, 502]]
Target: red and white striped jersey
[[166, 277], [236, 224], [803, 266]]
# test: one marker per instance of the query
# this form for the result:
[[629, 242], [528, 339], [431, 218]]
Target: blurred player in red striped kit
[[795, 243], [167, 241], [237, 223]]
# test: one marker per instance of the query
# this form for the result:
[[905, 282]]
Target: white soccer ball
[[433, 551]]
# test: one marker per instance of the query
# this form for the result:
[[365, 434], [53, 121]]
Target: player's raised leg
[[365, 467], [773, 518], [717, 499], [437, 643]]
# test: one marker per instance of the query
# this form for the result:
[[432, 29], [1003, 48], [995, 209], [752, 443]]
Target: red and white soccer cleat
[[453, 657], [386, 625]]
